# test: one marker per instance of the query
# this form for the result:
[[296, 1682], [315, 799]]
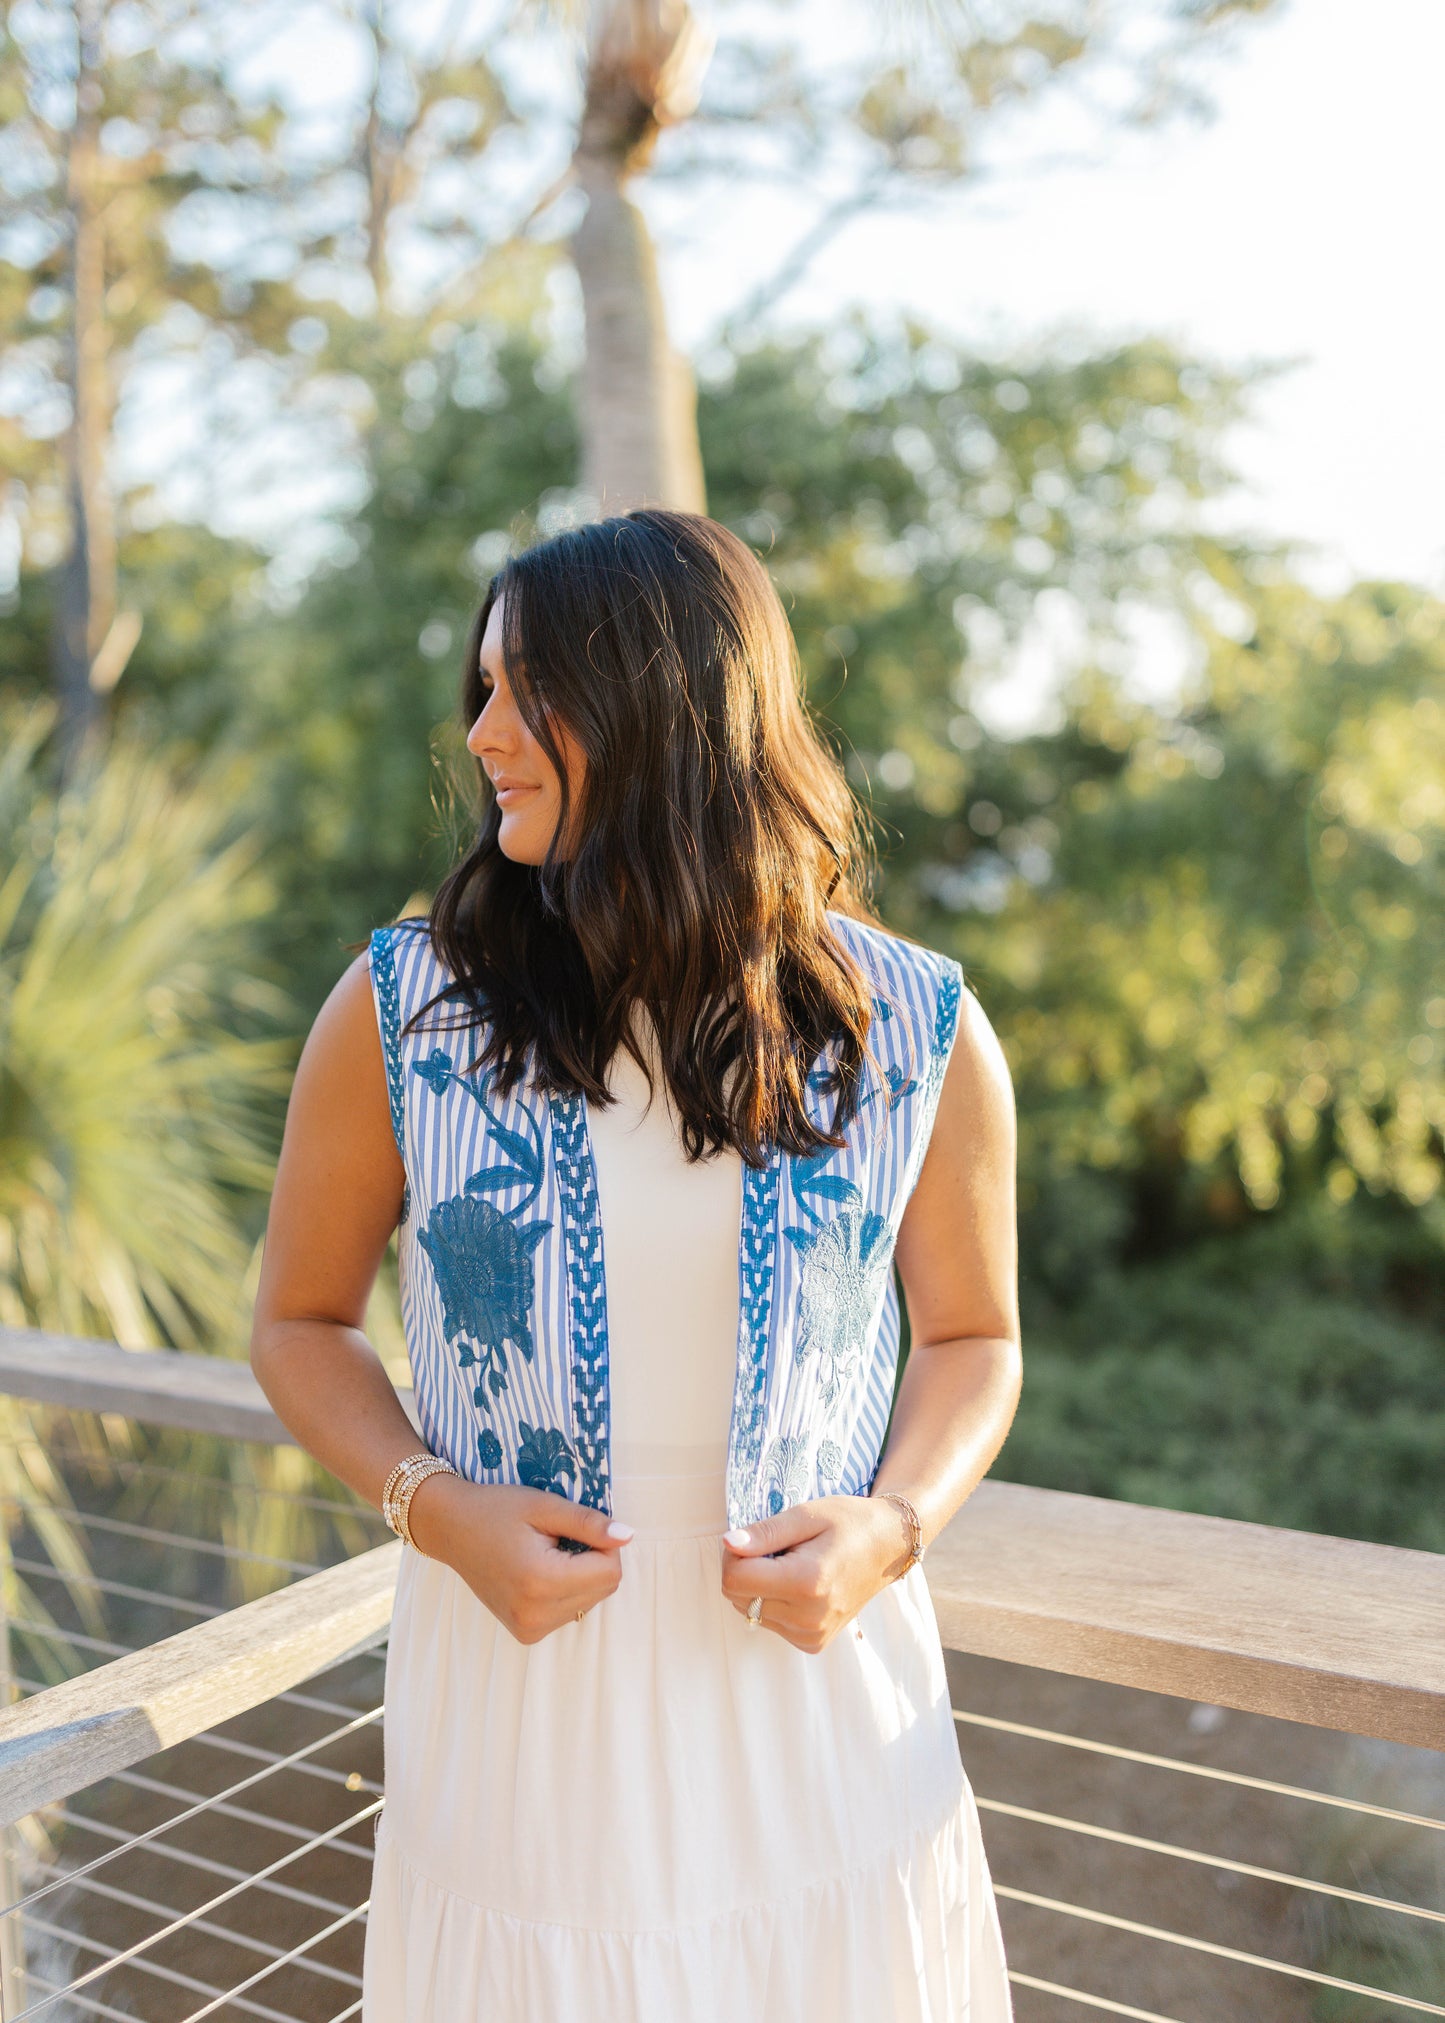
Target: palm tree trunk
[[375, 164], [639, 401], [85, 606]]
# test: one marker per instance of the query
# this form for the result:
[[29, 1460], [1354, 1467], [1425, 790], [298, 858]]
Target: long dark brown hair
[[715, 830]]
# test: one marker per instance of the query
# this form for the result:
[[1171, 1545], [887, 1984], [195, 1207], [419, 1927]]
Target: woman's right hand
[[502, 1539]]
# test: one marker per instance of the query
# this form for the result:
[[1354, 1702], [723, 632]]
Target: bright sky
[[1301, 223]]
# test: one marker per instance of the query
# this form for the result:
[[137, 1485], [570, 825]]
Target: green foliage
[[138, 1087], [914, 504], [1234, 975], [1287, 1373]]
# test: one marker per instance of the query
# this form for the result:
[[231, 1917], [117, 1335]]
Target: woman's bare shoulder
[[339, 1181], [977, 1077], [346, 1022], [957, 1243], [341, 1076], [973, 1138]]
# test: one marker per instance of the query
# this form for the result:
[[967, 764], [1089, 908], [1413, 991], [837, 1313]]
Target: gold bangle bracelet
[[388, 1488], [393, 1481], [402, 1484], [915, 1529], [409, 1486], [408, 1490]]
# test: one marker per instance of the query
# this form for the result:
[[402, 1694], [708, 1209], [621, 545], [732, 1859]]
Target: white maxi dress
[[659, 1814]]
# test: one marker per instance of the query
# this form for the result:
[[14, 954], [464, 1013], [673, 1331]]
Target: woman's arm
[[334, 1206], [957, 1254]]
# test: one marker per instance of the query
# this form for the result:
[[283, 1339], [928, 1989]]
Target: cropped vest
[[503, 1279]]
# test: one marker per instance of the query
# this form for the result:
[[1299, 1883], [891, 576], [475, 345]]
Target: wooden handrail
[[71, 1735], [1328, 1631], [163, 1387]]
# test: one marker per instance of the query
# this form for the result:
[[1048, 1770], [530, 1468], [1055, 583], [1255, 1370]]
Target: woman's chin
[[517, 841]]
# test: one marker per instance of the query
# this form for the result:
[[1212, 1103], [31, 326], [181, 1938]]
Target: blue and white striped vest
[[502, 1275]]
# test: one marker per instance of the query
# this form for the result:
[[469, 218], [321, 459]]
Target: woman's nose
[[483, 735]]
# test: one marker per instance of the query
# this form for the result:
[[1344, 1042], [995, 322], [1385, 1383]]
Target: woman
[[655, 1104]]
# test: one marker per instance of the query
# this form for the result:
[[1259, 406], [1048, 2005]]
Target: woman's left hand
[[815, 1564]]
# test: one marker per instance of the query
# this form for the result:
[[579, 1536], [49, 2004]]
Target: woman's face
[[523, 778]]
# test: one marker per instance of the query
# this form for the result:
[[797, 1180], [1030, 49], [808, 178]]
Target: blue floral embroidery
[[945, 1020], [481, 1254], [824, 1075], [846, 1259], [786, 1472], [845, 1269], [830, 1462], [523, 1148], [436, 1071], [482, 1261], [545, 1459], [489, 1448], [899, 1086]]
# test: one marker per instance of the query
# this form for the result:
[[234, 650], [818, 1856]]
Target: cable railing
[[216, 1886], [1210, 1757]]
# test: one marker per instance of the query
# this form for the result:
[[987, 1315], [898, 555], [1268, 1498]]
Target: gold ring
[[755, 1612]]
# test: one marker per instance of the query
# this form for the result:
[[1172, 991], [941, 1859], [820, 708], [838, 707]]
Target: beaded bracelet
[[402, 1484], [915, 1550], [411, 1481]]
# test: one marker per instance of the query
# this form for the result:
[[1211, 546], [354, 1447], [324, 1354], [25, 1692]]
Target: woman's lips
[[506, 795]]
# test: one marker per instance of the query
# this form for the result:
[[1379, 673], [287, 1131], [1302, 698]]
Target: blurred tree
[[1284, 1372], [918, 504], [118, 121], [1230, 982], [431, 104], [159, 226], [911, 103], [1222, 991], [891, 114], [644, 70]]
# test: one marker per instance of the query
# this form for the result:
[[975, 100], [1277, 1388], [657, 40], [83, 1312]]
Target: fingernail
[[617, 1529], [737, 1536]]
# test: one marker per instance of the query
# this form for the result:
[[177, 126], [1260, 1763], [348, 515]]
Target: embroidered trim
[[755, 1290], [587, 1296], [388, 997], [945, 1019]]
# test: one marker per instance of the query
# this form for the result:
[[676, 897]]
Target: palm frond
[[134, 1097]]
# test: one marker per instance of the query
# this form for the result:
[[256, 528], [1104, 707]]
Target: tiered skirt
[[661, 1815]]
